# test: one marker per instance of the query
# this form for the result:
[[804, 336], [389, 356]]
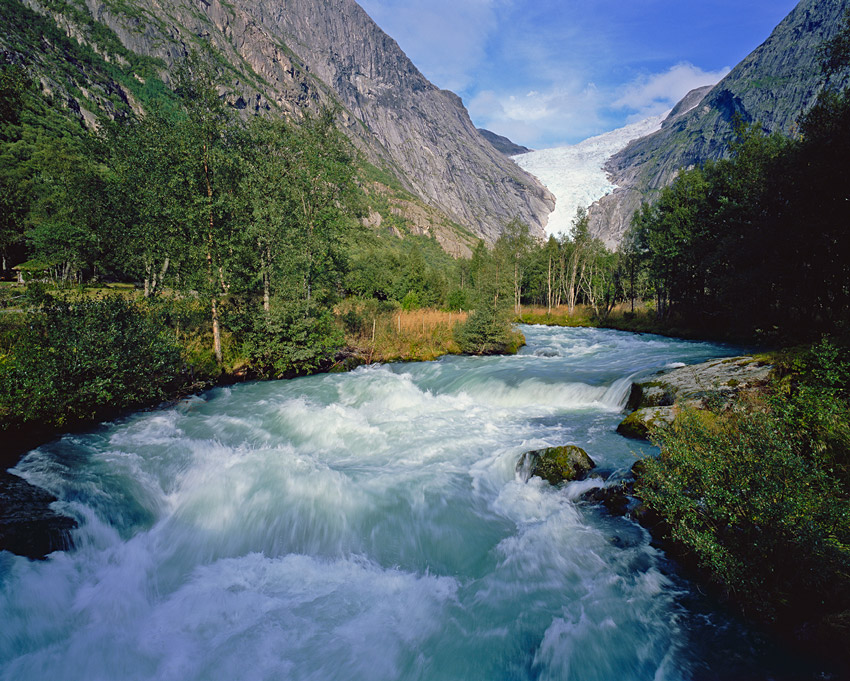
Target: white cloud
[[570, 111], [651, 94], [566, 112]]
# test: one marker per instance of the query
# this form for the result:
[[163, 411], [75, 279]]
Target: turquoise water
[[369, 525]]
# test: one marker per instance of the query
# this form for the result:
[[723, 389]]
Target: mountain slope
[[502, 143], [284, 57], [772, 86]]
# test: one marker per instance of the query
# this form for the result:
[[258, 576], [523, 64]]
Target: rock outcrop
[[773, 86], [503, 144], [28, 526], [286, 57], [556, 464], [657, 399]]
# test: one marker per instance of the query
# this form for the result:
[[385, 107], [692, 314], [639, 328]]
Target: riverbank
[[641, 318], [750, 490]]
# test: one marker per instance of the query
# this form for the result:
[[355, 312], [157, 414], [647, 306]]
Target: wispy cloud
[[562, 112], [652, 94], [569, 111], [553, 72]]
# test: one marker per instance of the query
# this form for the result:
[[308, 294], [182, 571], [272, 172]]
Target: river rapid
[[368, 525]]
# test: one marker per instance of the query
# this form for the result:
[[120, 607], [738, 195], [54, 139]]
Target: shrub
[[83, 359], [756, 493], [487, 332], [293, 338]]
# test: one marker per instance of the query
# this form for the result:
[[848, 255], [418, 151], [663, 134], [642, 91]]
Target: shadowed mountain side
[[772, 86], [503, 144], [288, 56]]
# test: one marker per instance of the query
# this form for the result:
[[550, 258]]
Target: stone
[[28, 526], [641, 422], [556, 464]]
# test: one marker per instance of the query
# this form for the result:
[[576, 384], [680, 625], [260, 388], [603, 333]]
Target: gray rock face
[[772, 86], [28, 526], [658, 398], [287, 56], [502, 143]]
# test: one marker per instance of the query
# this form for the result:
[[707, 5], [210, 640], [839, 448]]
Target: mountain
[[502, 143], [575, 173], [772, 86], [431, 167]]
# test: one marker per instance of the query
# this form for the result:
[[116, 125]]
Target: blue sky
[[550, 72]]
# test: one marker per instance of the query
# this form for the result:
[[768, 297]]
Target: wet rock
[[617, 498], [28, 526], [655, 400], [719, 379], [556, 464], [640, 422]]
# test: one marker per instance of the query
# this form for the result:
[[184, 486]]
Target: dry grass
[[417, 335], [558, 316]]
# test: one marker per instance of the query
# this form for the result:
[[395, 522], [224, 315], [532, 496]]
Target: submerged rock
[[616, 498], [556, 464], [28, 526]]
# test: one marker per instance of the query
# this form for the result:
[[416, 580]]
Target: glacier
[[575, 173]]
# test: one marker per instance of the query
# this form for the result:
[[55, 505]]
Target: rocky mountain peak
[[281, 57], [773, 86]]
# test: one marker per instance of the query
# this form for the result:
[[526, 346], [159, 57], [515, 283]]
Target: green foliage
[[293, 338], [77, 360], [751, 244], [760, 494], [410, 301], [487, 331], [36, 295], [458, 299]]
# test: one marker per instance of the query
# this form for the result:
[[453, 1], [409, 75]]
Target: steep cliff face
[[287, 56], [772, 86], [502, 143]]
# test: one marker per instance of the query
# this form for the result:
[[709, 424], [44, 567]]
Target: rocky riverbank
[[656, 400]]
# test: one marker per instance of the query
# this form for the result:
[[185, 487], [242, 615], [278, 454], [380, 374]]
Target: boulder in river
[[719, 380], [556, 464], [28, 526], [640, 422]]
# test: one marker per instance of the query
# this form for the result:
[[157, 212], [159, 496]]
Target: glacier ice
[[575, 174]]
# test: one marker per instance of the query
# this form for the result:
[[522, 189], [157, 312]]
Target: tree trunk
[[216, 329]]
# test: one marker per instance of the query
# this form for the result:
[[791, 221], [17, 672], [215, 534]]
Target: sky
[[551, 72]]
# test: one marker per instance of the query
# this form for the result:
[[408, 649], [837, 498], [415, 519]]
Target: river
[[368, 525]]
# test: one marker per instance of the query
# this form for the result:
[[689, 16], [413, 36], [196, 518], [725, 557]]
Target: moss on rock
[[557, 464]]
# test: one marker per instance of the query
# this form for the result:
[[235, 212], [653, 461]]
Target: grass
[[410, 336]]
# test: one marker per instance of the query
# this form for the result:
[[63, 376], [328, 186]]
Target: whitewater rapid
[[368, 525]]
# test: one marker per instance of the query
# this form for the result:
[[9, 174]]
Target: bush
[[410, 301], [457, 300], [84, 359], [758, 495], [487, 332], [293, 338]]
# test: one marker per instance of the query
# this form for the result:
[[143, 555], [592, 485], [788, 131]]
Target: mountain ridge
[[772, 86], [283, 58]]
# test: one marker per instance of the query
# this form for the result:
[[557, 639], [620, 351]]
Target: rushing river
[[370, 526]]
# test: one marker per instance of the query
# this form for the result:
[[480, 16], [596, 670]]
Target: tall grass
[[414, 335]]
